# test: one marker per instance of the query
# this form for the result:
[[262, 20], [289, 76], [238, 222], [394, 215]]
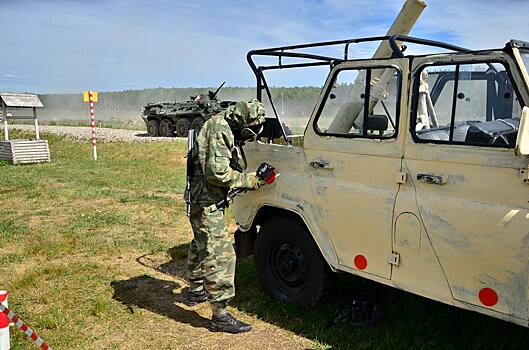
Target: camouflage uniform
[[211, 258]]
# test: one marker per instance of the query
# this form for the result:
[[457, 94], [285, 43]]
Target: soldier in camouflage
[[211, 257]]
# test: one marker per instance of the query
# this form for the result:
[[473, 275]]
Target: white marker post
[[24, 327], [91, 96], [4, 324]]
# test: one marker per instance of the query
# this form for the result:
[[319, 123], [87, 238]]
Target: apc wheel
[[153, 128], [166, 128], [182, 127], [289, 265], [197, 124]]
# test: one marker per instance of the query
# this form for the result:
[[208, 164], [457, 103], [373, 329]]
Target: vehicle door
[[353, 147], [467, 180]]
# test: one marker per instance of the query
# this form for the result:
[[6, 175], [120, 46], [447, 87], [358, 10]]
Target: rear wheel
[[153, 128], [182, 127], [289, 265], [197, 124], [166, 128]]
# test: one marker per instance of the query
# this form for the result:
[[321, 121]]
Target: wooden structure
[[23, 150]]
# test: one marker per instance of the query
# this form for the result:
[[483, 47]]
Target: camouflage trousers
[[211, 257]]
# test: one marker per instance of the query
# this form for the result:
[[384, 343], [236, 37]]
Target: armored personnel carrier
[[170, 118]]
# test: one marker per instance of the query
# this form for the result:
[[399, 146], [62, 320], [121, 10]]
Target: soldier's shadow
[[176, 267], [158, 295]]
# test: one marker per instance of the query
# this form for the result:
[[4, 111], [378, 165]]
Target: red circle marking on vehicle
[[488, 297], [360, 262]]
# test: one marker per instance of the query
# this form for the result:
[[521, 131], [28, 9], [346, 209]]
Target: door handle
[[322, 164], [431, 179]]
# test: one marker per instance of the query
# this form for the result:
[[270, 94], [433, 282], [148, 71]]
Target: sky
[[70, 46]]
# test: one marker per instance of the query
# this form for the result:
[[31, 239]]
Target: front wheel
[[153, 128], [289, 264]]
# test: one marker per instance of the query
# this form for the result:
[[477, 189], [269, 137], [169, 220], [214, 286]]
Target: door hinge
[[394, 258], [400, 177]]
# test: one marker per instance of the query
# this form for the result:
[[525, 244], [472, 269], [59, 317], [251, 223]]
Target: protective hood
[[245, 114]]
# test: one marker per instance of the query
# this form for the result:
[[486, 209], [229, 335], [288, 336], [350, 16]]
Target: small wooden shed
[[15, 106]]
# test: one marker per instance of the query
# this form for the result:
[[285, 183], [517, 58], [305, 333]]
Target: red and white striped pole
[[91, 99], [18, 322], [4, 324]]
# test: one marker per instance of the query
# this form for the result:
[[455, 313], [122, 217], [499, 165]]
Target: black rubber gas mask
[[247, 134]]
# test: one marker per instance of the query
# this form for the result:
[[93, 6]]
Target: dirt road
[[102, 134]]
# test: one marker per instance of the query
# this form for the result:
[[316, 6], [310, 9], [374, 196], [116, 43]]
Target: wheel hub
[[290, 265]]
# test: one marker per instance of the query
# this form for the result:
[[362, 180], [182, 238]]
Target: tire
[[182, 127], [197, 124], [153, 129], [166, 128], [289, 265]]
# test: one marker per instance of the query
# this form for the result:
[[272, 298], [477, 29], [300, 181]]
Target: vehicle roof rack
[[289, 51], [518, 43], [313, 60]]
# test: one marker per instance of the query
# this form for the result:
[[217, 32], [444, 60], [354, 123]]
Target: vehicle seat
[[434, 134], [495, 132]]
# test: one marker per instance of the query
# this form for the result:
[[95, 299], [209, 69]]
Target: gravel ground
[[102, 134]]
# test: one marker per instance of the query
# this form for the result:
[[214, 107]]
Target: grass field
[[92, 254]]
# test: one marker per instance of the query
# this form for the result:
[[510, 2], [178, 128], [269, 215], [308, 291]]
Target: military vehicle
[[170, 118], [413, 172]]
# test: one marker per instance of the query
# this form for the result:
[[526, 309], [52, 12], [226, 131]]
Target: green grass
[[64, 223], [84, 245]]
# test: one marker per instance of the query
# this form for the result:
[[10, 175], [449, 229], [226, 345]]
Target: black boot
[[229, 324], [195, 297]]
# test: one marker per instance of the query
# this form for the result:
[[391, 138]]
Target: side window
[[472, 104], [353, 108]]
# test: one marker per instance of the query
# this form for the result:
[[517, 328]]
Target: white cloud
[[14, 76]]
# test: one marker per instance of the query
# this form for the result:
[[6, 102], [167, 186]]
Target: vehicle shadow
[[144, 134], [434, 323], [338, 324]]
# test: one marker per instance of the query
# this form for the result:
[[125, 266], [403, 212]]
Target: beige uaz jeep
[[413, 171]]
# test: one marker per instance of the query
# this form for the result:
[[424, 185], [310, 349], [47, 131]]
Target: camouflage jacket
[[213, 151]]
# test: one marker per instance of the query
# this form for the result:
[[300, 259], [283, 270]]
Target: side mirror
[[522, 140]]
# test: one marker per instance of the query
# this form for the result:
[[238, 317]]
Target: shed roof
[[20, 100]]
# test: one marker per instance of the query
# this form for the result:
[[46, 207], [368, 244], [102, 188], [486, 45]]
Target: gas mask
[[248, 133]]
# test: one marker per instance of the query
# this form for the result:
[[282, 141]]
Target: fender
[[251, 213]]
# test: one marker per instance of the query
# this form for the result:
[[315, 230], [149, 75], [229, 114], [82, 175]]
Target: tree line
[[289, 101]]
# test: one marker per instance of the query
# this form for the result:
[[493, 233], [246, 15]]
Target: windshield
[[525, 59]]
